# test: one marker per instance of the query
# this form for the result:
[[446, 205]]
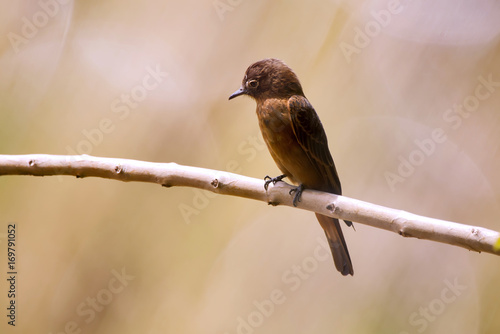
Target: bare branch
[[170, 174]]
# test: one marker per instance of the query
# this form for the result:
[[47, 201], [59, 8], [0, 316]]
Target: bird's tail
[[337, 244]]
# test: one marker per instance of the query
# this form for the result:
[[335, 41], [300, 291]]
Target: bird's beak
[[239, 92]]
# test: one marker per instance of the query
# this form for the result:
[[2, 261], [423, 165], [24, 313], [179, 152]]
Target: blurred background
[[408, 93]]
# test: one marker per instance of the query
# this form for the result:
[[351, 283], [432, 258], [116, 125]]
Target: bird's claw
[[298, 192], [269, 179]]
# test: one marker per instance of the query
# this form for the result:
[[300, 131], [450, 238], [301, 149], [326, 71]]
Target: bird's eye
[[253, 83]]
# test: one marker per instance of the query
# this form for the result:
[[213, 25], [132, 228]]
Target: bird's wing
[[312, 138]]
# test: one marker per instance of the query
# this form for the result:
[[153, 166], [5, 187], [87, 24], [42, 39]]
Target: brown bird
[[296, 140]]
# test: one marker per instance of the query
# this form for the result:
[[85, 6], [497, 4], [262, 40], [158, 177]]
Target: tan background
[[213, 271]]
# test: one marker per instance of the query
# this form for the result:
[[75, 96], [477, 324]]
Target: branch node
[[118, 169], [331, 207], [215, 183], [32, 163], [404, 234]]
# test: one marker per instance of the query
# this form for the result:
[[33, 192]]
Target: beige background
[[215, 270]]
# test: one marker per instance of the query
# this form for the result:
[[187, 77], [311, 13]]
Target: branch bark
[[406, 224]]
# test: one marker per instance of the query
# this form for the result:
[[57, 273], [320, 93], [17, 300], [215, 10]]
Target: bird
[[297, 142]]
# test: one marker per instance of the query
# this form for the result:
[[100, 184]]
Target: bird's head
[[269, 78]]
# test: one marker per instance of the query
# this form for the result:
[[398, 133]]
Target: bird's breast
[[277, 130], [275, 122]]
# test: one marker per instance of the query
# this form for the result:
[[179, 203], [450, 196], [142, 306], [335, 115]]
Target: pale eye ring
[[253, 83]]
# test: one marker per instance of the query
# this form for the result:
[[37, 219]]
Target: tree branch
[[170, 174]]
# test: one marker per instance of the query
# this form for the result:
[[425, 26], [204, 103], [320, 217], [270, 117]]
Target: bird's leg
[[269, 179], [298, 192]]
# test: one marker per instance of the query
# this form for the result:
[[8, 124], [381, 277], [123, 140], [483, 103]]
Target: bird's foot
[[269, 179], [298, 192]]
